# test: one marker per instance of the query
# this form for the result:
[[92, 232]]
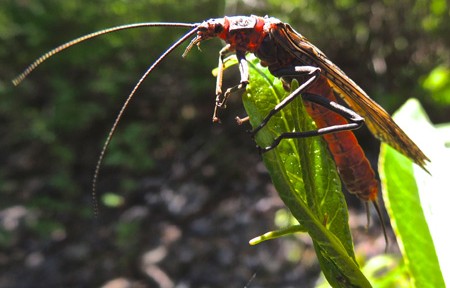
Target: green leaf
[[438, 84], [277, 234], [386, 271], [305, 177], [415, 199], [112, 200]]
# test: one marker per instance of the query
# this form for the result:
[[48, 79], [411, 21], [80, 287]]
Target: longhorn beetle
[[288, 55]]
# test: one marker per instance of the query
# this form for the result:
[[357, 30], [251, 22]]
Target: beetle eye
[[218, 28]]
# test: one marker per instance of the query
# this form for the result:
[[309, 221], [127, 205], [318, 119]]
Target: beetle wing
[[377, 119]]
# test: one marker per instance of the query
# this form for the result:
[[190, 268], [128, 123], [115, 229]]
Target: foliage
[[414, 200], [438, 83], [305, 177]]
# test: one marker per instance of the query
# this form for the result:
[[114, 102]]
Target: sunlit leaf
[[386, 271], [438, 83], [305, 177], [112, 200], [415, 199]]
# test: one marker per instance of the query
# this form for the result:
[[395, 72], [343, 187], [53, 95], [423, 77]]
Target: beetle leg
[[220, 67], [355, 121], [242, 120], [290, 72], [243, 69]]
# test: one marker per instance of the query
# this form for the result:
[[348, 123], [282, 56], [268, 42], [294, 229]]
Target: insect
[[288, 55]]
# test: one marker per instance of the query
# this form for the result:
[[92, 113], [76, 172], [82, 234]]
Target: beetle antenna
[[122, 110], [16, 81]]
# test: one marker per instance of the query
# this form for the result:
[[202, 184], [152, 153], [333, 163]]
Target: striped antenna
[[16, 81], [122, 110]]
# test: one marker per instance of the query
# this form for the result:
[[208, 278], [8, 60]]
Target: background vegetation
[[180, 196]]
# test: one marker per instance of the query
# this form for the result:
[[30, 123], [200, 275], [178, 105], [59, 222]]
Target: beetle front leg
[[220, 67], [242, 120], [244, 73]]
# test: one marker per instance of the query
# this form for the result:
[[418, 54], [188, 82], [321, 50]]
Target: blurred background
[[179, 196]]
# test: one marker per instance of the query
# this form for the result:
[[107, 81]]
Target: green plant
[[306, 179], [415, 199]]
